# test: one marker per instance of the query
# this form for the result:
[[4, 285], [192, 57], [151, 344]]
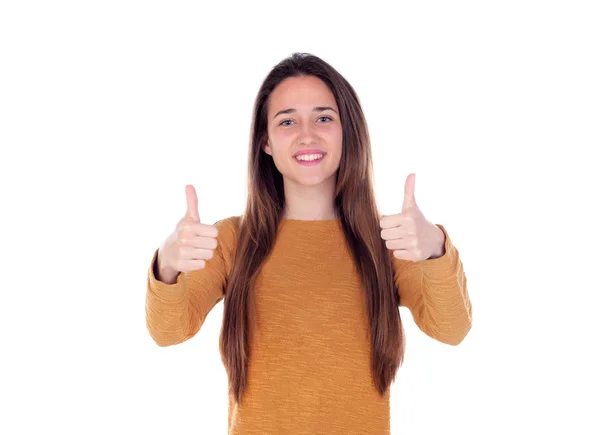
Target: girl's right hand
[[190, 245]]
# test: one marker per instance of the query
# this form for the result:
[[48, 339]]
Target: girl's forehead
[[302, 89]]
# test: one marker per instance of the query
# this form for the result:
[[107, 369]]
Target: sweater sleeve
[[435, 292], [175, 312]]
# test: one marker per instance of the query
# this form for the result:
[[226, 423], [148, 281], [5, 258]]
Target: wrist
[[163, 273], [441, 245]]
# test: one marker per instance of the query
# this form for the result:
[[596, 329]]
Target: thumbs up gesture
[[190, 245], [408, 234]]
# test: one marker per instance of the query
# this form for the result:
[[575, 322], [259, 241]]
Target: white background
[[107, 110]]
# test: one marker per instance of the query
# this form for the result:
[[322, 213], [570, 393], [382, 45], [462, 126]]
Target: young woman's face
[[312, 123]]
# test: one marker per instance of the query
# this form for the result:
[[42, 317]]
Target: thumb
[[409, 192], [192, 203]]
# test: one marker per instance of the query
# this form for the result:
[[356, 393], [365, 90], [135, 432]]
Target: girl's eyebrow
[[316, 109]]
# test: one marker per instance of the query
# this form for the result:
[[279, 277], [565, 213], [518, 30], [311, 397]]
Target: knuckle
[[181, 233]]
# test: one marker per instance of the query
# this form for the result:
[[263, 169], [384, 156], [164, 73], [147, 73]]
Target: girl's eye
[[289, 120]]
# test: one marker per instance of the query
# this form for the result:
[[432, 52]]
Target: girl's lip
[[313, 151]]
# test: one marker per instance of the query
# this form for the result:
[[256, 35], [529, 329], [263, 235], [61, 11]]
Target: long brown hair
[[264, 210]]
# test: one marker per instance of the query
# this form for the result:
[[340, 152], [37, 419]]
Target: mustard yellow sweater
[[309, 371]]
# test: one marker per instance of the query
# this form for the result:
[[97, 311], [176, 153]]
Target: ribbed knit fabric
[[309, 371]]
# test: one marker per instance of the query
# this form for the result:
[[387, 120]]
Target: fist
[[192, 243], [409, 234]]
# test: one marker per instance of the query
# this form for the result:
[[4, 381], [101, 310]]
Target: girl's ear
[[267, 148]]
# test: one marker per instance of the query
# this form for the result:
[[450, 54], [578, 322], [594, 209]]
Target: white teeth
[[309, 157]]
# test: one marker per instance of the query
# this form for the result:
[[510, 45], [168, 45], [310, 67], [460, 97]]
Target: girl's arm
[[435, 292], [175, 312]]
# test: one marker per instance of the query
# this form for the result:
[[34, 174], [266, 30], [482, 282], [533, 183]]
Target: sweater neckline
[[310, 220], [307, 223]]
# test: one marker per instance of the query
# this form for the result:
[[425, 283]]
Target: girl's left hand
[[408, 233]]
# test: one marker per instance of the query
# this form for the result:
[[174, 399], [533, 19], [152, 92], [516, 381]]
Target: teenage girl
[[311, 275]]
